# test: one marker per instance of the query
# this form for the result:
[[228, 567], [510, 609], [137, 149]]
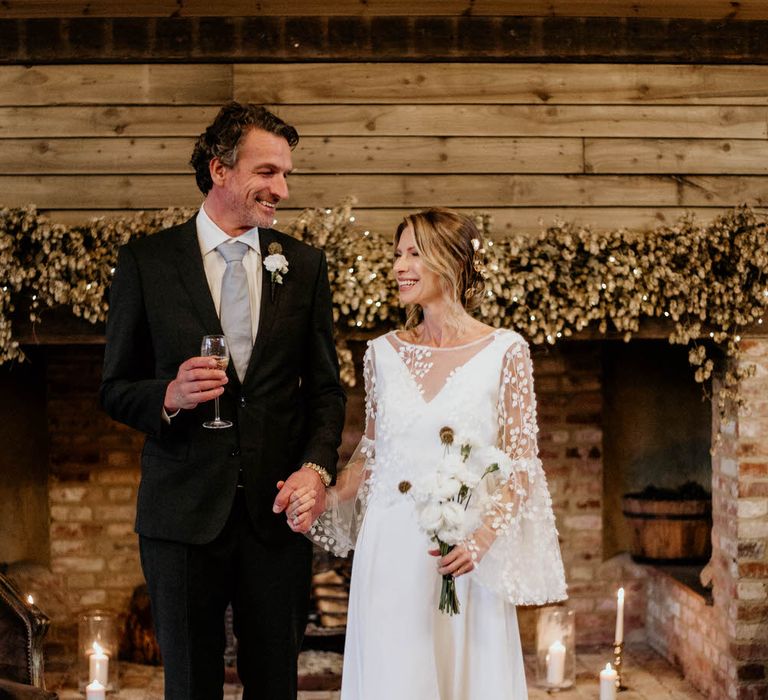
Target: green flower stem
[[449, 601]]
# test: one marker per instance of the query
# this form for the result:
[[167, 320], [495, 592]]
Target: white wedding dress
[[398, 645]]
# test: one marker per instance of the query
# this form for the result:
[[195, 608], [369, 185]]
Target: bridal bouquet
[[442, 498]]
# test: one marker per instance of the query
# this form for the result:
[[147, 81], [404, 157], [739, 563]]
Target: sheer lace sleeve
[[515, 548], [337, 528]]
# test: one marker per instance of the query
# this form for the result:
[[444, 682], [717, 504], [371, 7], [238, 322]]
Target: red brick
[[753, 489], [748, 652], [77, 564], [115, 513], [753, 570], [753, 469], [122, 459], [753, 691], [118, 476], [93, 597], [75, 530], [751, 612], [81, 580], [751, 549], [71, 513], [121, 494]]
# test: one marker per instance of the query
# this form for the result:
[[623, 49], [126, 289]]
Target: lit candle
[[556, 663], [30, 600], [619, 636], [95, 691], [98, 665], [607, 683]]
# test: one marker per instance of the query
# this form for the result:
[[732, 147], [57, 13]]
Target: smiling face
[[416, 282], [247, 194]]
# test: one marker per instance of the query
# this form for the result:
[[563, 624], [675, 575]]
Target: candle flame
[[608, 667], [97, 649], [621, 594], [30, 600]]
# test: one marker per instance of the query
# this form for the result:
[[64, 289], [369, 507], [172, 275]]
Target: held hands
[[198, 380], [302, 497], [457, 562]]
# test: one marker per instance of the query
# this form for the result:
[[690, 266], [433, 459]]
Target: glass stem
[[216, 404]]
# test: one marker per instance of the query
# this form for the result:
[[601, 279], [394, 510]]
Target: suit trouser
[[190, 587]]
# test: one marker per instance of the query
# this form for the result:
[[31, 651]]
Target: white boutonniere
[[276, 264]]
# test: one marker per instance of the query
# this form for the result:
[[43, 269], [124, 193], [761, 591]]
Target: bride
[[445, 370]]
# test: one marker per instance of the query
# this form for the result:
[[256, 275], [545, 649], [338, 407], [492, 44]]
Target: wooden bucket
[[668, 530]]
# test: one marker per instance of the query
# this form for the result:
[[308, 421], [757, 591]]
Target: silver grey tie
[[235, 308]]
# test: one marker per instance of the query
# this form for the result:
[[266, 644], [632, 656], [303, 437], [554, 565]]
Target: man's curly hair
[[222, 138]]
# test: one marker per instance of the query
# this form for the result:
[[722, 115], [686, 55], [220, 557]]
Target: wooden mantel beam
[[661, 9]]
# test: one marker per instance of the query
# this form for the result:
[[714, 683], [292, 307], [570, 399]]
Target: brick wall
[[723, 649], [94, 474], [740, 505], [684, 627]]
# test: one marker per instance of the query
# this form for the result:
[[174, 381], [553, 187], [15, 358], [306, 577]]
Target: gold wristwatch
[[322, 472]]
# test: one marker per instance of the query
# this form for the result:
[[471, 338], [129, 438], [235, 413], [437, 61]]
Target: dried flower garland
[[709, 280]]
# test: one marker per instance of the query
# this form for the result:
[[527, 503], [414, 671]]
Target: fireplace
[[69, 462]]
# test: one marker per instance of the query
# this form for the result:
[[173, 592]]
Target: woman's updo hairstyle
[[448, 243]]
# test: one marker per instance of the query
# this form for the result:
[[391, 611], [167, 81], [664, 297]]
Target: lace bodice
[[483, 389]]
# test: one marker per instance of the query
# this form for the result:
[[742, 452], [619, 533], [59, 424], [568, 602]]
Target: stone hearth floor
[[648, 676]]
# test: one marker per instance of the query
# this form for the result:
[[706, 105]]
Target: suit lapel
[[192, 273], [269, 306]]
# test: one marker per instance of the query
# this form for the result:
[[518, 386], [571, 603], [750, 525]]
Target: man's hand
[[302, 497], [198, 380]]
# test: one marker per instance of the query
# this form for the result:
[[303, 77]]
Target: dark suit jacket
[[288, 410]]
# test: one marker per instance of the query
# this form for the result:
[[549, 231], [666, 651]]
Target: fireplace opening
[[657, 433], [24, 515]]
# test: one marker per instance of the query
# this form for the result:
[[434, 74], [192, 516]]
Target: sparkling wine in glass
[[216, 346]]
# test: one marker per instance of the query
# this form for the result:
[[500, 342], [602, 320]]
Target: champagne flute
[[216, 346]]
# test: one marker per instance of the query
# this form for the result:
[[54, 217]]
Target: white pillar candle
[[607, 683], [95, 691], [619, 636], [556, 663], [98, 665]]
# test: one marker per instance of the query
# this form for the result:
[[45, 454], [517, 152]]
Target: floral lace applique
[[418, 360]]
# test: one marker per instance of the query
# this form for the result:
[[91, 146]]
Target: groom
[[209, 522]]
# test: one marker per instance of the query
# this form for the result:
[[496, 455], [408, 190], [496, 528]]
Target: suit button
[[236, 452], [242, 402]]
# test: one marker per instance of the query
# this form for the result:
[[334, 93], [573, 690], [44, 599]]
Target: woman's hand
[[299, 510], [457, 562]]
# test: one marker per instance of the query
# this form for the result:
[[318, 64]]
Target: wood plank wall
[[606, 144]]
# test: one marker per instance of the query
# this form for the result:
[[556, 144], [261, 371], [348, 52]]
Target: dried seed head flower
[[446, 435], [706, 279], [404, 486]]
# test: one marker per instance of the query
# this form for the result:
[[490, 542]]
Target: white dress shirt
[[209, 235]]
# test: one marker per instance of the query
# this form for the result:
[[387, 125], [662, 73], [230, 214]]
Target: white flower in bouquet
[[447, 487], [468, 477], [453, 520], [430, 516], [467, 436], [452, 464]]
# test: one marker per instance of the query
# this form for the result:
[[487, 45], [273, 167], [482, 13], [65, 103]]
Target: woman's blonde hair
[[447, 243]]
